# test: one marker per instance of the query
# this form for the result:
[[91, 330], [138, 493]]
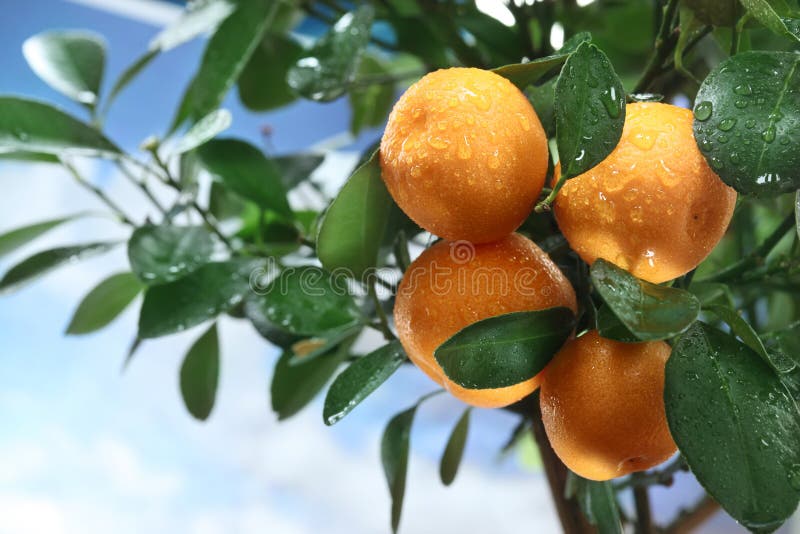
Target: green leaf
[[712, 293], [199, 296], [226, 54], [43, 262], [294, 386], [160, 254], [787, 340], [649, 311], [745, 332], [599, 504], [297, 168], [797, 212], [199, 17], [310, 348], [245, 170], [360, 379], [736, 425], [12, 240], [104, 303], [204, 131], [262, 84], [524, 74], [610, 327], [31, 126], [308, 301], [327, 69], [370, 104], [454, 450], [394, 456], [589, 110], [764, 12], [505, 350], [752, 98], [352, 228], [71, 62], [32, 157], [715, 12], [200, 374], [129, 74]]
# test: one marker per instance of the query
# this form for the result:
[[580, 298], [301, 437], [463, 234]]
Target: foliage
[[732, 380]]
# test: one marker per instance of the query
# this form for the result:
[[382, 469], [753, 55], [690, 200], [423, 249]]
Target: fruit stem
[[690, 519], [545, 204], [641, 498]]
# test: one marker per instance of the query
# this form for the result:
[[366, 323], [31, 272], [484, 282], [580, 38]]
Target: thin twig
[[99, 193], [383, 322], [141, 183], [757, 255], [641, 499], [661, 476], [688, 520], [666, 40]]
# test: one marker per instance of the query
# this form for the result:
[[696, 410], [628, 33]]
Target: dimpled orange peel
[[464, 155], [454, 284], [653, 207], [603, 408]]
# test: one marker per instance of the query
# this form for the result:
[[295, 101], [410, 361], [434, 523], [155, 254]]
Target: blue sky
[[87, 449]]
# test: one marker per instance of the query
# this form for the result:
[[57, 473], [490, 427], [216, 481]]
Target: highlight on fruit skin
[[464, 155], [455, 284], [653, 207], [603, 407]]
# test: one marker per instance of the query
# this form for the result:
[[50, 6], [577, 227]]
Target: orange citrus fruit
[[603, 407], [653, 207], [454, 284], [464, 155]]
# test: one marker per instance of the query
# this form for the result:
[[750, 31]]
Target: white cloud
[[23, 514]]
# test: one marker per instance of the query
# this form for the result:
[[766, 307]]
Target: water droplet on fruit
[[703, 110]]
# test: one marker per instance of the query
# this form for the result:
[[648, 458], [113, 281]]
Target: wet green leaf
[[352, 228], [524, 74], [71, 62], [736, 425], [165, 253], [308, 301], [754, 98], [765, 12], [505, 350], [226, 54], [649, 311], [43, 262], [454, 450], [197, 297], [200, 374], [327, 69], [360, 379], [104, 303], [370, 104], [610, 327], [31, 126], [589, 110]]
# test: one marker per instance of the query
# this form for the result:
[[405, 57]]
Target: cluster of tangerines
[[465, 156]]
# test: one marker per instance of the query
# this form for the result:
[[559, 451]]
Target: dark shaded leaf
[[754, 98], [736, 425], [651, 312], [297, 168], [598, 503], [454, 450], [610, 327], [160, 254], [764, 12], [245, 170], [370, 104], [71, 62], [199, 296], [43, 262], [104, 303], [589, 110], [262, 84], [360, 379], [327, 69], [200, 374], [505, 350], [524, 74], [294, 386]]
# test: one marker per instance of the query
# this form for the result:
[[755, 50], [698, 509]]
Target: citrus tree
[[620, 272]]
